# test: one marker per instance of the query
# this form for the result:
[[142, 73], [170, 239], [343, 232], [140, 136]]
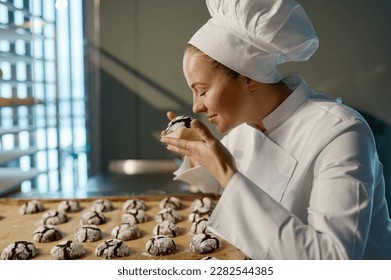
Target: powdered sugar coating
[[170, 215], [204, 243], [92, 218], [200, 213], [88, 233], [166, 228], [160, 245], [102, 205], [67, 250], [126, 232], [203, 202], [31, 207], [177, 123], [19, 250], [111, 249], [170, 202], [199, 227], [134, 216], [46, 234], [54, 217], [135, 203], [69, 206]]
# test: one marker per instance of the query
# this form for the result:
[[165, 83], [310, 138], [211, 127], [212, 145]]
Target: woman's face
[[221, 98]]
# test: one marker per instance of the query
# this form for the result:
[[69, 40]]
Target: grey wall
[[142, 43], [354, 57]]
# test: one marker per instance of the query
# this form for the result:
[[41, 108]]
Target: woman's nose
[[198, 107]]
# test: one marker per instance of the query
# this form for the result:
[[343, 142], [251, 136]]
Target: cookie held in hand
[[179, 127]]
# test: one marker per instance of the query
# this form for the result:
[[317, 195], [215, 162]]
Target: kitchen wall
[[142, 44], [141, 47]]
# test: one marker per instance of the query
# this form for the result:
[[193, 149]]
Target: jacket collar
[[290, 105]]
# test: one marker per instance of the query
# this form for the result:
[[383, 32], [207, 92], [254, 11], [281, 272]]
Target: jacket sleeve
[[345, 172], [198, 176]]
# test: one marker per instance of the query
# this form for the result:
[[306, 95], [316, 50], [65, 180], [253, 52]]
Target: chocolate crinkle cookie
[[19, 250], [54, 217], [200, 226], [126, 232], [112, 249], [102, 205], [69, 206], [31, 207], [135, 203], [134, 216], [67, 250], [88, 233], [166, 228], [170, 202], [46, 234], [204, 243], [92, 218], [160, 245], [203, 202], [170, 215], [200, 213]]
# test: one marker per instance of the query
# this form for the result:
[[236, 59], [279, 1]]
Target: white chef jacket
[[310, 187]]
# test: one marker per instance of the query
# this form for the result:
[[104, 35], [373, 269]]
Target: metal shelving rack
[[22, 29]]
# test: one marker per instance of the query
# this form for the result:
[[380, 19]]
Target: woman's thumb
[[202, 130]]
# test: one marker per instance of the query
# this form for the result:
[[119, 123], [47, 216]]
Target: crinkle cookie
[[69, 206], [200, 213], [170, 215], [31, 207], [112, 249], [199, 227], [166, 228], [46, 234], [88, 233], [19, 250], [160, 245], [126, 232], [203, 202], [67, 250], [170, 202], [102, 205], [134, 216], [204, 243], [54, 217], [135, 203], [92, 218]]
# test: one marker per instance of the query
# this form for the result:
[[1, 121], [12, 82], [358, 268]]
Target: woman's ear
[[251, 84]]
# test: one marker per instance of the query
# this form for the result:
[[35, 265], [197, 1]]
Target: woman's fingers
[[202, 130], [171, 115]]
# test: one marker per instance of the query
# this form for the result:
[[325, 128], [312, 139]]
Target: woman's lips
[[212, 118]]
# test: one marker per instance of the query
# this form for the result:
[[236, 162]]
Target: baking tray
[[15, 227]]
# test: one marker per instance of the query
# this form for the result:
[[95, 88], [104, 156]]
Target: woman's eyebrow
[[193, 85]]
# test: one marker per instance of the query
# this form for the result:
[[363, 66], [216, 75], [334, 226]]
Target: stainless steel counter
[[117, 185]]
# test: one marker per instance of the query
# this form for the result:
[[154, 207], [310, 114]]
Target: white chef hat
[[252, 36]]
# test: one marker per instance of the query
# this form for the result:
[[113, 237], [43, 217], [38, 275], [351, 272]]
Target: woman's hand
[[209, 152]]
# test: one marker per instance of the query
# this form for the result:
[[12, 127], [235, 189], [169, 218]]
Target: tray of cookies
[[142, 228]]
